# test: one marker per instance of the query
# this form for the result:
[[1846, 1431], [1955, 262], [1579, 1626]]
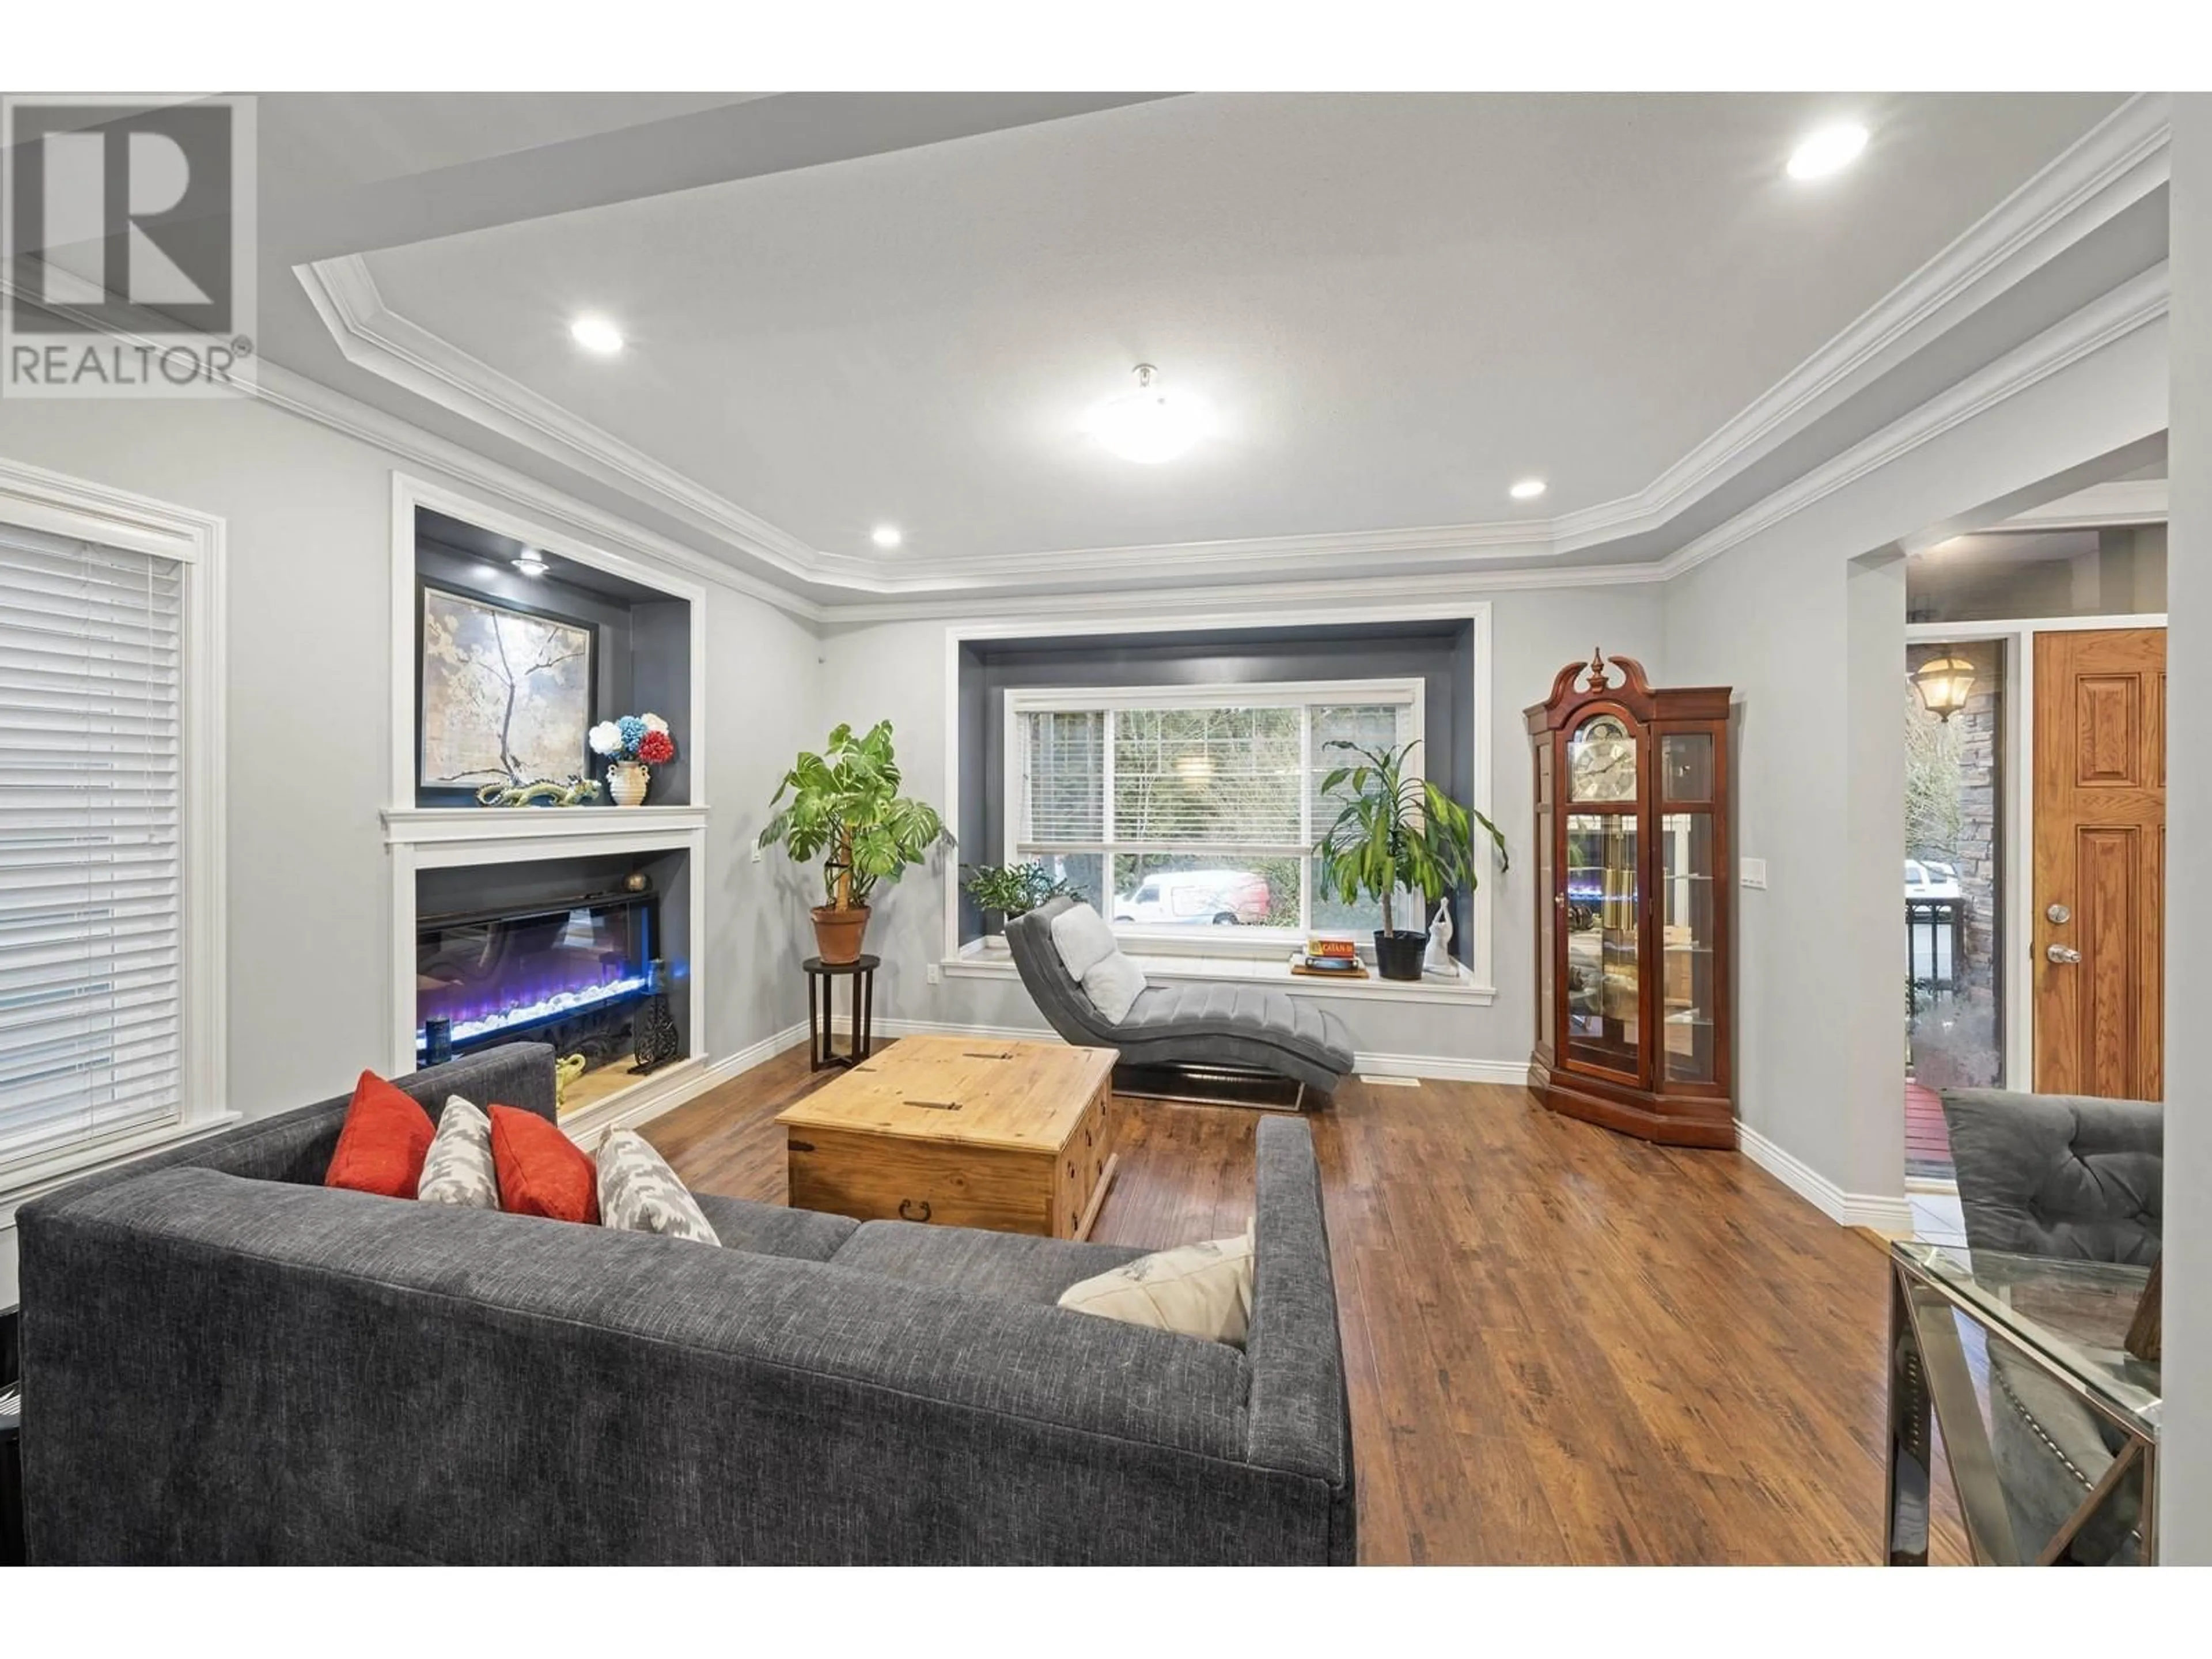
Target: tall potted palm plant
[[1396, 832], [845, 808]]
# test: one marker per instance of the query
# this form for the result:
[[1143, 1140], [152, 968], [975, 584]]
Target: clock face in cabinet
[[1602, 761]]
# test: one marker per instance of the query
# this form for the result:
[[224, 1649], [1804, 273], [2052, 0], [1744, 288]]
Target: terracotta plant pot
[[838, 933], [1398, 956], [627, 781]]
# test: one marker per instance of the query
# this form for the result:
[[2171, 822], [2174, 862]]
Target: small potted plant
[[1394, 833], [632, 746], [1007, 891], [844, 807]]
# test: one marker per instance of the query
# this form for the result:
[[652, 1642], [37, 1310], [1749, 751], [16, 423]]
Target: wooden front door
[[2099, 893]]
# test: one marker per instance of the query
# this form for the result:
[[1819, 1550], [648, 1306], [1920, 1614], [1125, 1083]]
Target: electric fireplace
[[569, 970]]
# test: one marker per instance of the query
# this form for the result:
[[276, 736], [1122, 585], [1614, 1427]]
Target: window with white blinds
[[1172, 809], [91, 1039]]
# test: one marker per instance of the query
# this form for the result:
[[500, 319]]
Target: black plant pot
[[1398, 956]]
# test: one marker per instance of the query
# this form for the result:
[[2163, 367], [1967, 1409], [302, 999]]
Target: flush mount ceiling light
[[1828, 151], [886, 535], [530, 563], [1152, 423], [1527, 490], [596, 334]]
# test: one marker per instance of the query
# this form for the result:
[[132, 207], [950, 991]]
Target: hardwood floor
[[1565, 1346]]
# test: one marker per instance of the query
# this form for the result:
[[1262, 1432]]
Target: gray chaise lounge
[[1249, 1027], [226, 1361]]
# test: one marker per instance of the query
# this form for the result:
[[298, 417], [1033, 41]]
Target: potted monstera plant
[[843, 806], [1393, 834]]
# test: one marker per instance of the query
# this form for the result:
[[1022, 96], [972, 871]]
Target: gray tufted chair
[[2064, 1176]]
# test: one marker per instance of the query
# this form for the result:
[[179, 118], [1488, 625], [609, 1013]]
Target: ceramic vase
[[627, 782]]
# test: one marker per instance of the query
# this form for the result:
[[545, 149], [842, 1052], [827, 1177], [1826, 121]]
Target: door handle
[[2062, 954]]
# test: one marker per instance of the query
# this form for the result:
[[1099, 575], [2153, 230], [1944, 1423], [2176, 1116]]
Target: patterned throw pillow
[[640, 1193], [458, 1170], [1200, 1290]]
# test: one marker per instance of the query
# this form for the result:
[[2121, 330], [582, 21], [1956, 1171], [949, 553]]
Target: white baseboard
[[1443, 1069], [663, 1091], [1879, 1210], [1437, 1067]]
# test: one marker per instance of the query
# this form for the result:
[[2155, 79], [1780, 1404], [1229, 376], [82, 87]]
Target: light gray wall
[[2186, 1469], [308, 514], [1813, 644], [898, 670]]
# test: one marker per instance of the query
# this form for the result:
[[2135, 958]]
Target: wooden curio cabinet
[[1634, 980]]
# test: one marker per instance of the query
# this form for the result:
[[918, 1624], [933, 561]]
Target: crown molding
[[2117, 162], [374, 336], [1329, 598], [2122, 502], [2133, 305], [313, 401]]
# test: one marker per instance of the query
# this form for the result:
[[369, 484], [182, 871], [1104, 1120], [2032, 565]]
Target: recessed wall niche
[[601, 646]]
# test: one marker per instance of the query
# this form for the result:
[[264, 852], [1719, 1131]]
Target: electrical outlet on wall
[[1755, 873], [933, 973], [757, 852]]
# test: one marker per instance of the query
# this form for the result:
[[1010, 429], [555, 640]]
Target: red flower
[[655, 748]]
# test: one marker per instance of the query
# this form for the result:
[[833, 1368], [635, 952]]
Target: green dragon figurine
[[539, 792]]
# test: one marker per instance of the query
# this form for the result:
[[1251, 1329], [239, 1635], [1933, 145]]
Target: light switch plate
[[1755, 873]]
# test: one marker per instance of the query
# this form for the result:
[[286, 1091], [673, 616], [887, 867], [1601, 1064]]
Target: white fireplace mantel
[[573, 828]]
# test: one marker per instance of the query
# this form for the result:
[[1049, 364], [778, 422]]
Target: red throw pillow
[[541, 1171], [384, 1139]]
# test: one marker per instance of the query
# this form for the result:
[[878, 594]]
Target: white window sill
[[19, 1187], [988, 958]]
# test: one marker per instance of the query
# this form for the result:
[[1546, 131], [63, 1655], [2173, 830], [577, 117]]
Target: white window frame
[[82, 510], [1409, 692]]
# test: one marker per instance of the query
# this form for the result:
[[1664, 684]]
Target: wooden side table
[[822, 978]]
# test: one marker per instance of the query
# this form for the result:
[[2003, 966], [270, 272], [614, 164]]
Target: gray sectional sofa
[[225, 1361], [1249, 1026]]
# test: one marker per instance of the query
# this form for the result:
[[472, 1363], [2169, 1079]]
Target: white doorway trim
[[2015, 873]]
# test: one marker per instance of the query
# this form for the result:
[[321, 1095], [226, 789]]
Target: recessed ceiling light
[[1152, 423], [596, 334], [886, 535], [1528, 490], [530, 563], [1829, 150]]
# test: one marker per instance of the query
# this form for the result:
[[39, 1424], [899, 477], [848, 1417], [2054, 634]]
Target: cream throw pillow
[[1200, 1289], [459, 1168], [1113, 984], [640, 1193], [1083, 938]]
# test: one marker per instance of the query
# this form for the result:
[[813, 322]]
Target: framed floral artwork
[[506, 697]]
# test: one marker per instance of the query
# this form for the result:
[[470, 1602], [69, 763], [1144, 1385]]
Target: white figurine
[[1437, 959]]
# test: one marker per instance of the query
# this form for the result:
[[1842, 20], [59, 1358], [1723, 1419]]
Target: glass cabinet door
[[1603, 973], [1687, 941]]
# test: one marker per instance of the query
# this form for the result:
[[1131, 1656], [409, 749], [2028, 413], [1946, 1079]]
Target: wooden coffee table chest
[[964, 1131]]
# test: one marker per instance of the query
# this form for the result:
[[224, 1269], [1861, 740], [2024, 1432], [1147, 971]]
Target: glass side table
[[2050, 1427]]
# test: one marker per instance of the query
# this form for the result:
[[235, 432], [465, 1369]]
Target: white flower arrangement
[[605, 738]]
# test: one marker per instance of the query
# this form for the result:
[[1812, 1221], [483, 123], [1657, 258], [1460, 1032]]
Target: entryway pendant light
[[1944, 683], [1152, 423]]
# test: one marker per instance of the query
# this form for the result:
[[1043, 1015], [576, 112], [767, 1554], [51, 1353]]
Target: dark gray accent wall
[[1440, 653], [642, 650]]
